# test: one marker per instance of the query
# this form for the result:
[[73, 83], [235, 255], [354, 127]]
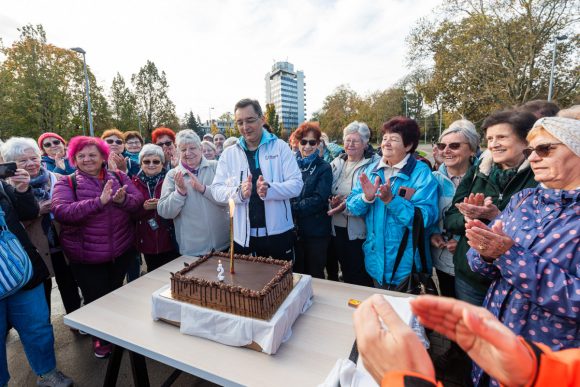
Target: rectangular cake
[[256, 289]]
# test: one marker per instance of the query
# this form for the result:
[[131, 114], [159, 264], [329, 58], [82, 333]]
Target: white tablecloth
[[231, 329]]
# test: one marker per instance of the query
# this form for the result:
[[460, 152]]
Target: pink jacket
[[91, 232]]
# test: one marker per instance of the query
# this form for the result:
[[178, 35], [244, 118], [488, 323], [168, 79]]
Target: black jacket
[[17, 207], [309, 209]]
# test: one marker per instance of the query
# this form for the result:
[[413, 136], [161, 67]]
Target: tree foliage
[[483, 55], [190, 122], [123, 105], [153, 102], [42, 88], [272, 119]]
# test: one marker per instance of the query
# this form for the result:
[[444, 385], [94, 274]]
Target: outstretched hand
[[395, 347], [492, 345]]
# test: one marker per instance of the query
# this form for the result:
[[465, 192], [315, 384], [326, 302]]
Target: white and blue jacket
[[279, 168]]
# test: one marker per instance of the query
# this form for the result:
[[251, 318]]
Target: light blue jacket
[[386, 223]]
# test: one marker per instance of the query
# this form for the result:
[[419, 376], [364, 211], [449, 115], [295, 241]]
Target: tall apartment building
[[285, 88]]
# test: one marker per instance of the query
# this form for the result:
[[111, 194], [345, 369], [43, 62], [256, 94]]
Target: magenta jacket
[[148, 241], [92, 233]]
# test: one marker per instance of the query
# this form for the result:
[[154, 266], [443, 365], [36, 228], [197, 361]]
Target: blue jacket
[[50, 165], [386, 223]]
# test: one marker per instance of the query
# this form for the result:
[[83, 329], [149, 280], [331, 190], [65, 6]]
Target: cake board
[[263, 336]]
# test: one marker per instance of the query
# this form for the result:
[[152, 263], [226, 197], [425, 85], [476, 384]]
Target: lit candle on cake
[[232, 209]]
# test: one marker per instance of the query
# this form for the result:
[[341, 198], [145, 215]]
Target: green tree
[[42, 89], [190, 122], [490, 54], [272, 119], [153, 102], [123, 105], [338, 110]]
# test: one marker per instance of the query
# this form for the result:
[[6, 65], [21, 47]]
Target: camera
[[7, 170]]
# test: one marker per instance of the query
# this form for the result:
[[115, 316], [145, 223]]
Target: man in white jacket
[[261, 175]]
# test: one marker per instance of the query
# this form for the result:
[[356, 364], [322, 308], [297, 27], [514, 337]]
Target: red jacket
[[148, 241], [560, 369]]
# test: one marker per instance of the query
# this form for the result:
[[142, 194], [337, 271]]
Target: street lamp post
[[210, 109], [551, 88], [87, 88]]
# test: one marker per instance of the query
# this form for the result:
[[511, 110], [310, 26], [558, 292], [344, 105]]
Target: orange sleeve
[[407, 379], [561, 368]]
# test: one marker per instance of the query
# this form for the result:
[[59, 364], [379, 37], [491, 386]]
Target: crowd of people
[[497, 228]]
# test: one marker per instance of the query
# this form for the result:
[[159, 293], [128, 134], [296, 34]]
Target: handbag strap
[[418, 235], [419, 240]]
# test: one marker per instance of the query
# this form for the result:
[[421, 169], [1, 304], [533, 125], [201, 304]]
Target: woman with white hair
[[209, 150], [201, 224], [531, 250], [457, 145], [154, 236], [349, 231], [42, 231]]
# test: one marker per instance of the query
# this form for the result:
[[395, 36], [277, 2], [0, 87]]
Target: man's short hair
[[249, 102]]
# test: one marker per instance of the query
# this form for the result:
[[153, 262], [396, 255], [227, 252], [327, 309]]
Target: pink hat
[[48, 134]]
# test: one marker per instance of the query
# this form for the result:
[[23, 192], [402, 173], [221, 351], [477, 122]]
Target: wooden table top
[[319, 337]]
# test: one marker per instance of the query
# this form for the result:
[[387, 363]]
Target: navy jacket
[[309, 209]]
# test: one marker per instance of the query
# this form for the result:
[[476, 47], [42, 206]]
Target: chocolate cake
[[257, 289]]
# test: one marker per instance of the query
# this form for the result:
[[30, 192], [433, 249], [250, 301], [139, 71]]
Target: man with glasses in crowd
[[260, 174]]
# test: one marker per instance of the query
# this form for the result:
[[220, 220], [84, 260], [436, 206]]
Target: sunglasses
[[541, 150], [166, 143], [309, 142], [154, 162], [453, 146], [110, 141], [48, 144]]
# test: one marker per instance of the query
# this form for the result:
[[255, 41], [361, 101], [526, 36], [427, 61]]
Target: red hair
[[305, 128], [162, 131], [78, 143]]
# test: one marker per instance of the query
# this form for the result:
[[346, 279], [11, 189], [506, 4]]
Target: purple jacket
[[92, 233], [536, 287], [147, 240]]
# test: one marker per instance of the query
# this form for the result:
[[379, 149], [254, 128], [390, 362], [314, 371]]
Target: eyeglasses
[[110, 141], [453, 146], [136, 142], [309, 142], [48, 144], [541, 150], [353, 142], [247, 121], [154, 162], [166, 143]]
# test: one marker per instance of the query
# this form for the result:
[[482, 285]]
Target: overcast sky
[[216, 52]]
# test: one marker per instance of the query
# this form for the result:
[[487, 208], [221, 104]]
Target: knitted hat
[[564, 129], [48, 134]]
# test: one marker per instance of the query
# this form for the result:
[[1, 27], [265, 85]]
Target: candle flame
[[232, 207]]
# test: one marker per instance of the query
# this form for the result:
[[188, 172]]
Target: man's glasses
[[541, 150], [247, 121], [166, 143], [309, 142], [154, 162], [48, 144], [110, 141], [453, 146]]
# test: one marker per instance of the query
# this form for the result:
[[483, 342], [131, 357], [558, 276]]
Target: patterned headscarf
[[564, 129]]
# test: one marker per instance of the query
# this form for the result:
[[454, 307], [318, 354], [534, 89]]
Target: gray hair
[[358, 127], [467, 129], [16, 146], [210, 144], [187, 136], [230, 141], [151, 150]]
